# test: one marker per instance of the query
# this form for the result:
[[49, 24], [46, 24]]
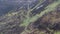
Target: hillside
[[38, 17]]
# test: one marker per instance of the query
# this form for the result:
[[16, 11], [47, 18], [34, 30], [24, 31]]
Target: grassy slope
[[28, 19], [50, 7]]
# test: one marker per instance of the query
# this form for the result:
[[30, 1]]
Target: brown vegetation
[[48, 23]]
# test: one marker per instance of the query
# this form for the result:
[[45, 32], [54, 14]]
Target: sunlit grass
[[58, 32]]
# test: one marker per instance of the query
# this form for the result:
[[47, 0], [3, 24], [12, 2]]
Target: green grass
[[58, 32], [49, 8]]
